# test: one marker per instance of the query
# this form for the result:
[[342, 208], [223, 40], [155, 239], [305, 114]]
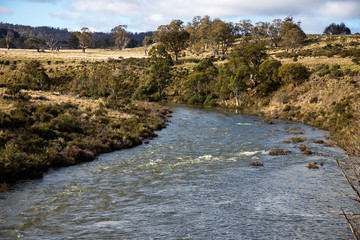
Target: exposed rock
[[257, 164]]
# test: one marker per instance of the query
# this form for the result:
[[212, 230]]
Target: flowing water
[[194, 181]]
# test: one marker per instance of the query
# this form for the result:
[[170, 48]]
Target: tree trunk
[[236, 99], [176, 56], [83, 50]]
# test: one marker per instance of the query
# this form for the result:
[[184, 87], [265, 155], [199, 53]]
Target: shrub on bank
[[293, 73]]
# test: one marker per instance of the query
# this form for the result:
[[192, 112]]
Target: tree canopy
[[173, 36], [85, 38], [120, 36], [337, 29]]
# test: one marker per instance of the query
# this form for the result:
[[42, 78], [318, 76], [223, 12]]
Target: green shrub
[[5, 120], [45, 133], [294, 73], [66, 123], [314, 100]]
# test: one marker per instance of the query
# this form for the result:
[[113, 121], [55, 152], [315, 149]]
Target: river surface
[[194, 181]]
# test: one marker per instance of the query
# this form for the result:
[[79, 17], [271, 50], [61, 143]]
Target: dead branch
[[350, 225]]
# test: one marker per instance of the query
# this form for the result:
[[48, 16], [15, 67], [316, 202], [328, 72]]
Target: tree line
[[199, 35], [14, 36]]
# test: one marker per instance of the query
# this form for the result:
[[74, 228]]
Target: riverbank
[[40, 130]]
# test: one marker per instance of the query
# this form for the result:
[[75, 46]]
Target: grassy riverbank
[[40, 130], [60, 108]]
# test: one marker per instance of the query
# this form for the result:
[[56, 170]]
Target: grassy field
[[71, 55]]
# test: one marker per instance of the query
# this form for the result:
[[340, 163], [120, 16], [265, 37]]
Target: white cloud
[[5, 10], [68, 15], [144, 15], [341, 9]]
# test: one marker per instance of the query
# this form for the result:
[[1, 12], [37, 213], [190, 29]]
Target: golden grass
[[311, 61], [72, 55], [54, 97]]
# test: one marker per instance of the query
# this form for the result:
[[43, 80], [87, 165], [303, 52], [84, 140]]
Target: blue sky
[[146, 15]]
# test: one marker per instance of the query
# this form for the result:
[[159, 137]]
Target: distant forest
[[101, 40]]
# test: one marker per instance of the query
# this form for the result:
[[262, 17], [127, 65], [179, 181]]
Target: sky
[[147, 15]]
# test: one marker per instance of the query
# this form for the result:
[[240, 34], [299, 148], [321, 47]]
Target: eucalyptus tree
[[159, 74], [252, 55], [34, 43], [334, 29], [223, 35], [274, 32], [120, 36], [244, 27], [85, 38], [234, 78], [51, 43], [8, 38], [196, 42], [260, 31], [173, 36], [147, 40]]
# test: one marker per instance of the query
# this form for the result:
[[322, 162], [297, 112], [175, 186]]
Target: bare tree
[[51, 43]]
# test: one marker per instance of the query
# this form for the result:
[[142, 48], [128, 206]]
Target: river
[[194, 181]]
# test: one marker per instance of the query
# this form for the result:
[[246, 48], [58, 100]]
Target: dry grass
[[42, 97], [311, 61], [72, 55]]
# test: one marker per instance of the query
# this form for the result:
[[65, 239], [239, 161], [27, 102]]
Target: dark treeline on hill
[[45, 34], [199, 32]]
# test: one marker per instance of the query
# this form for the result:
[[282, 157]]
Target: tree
[[244, 27], [196, 42], [85, 38], [33, 43], [173, 36], [120, 36], [198, 82], [269, 76], [73, 41], [293, 73], [8, 38], [260, 30], [159, 74], [337, 29], [274, 32], [235, 76], [291, 33], [223, 35], [147, 40], [293, 38], [51, 43], [252, 55]]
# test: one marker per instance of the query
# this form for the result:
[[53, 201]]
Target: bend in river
[[194, 181]]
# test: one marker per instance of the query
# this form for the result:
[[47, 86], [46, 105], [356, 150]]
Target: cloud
[[341, 9], [146, 15], [5, 10], [68, 15]]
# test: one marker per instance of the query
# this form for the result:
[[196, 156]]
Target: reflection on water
[[194, 181]]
